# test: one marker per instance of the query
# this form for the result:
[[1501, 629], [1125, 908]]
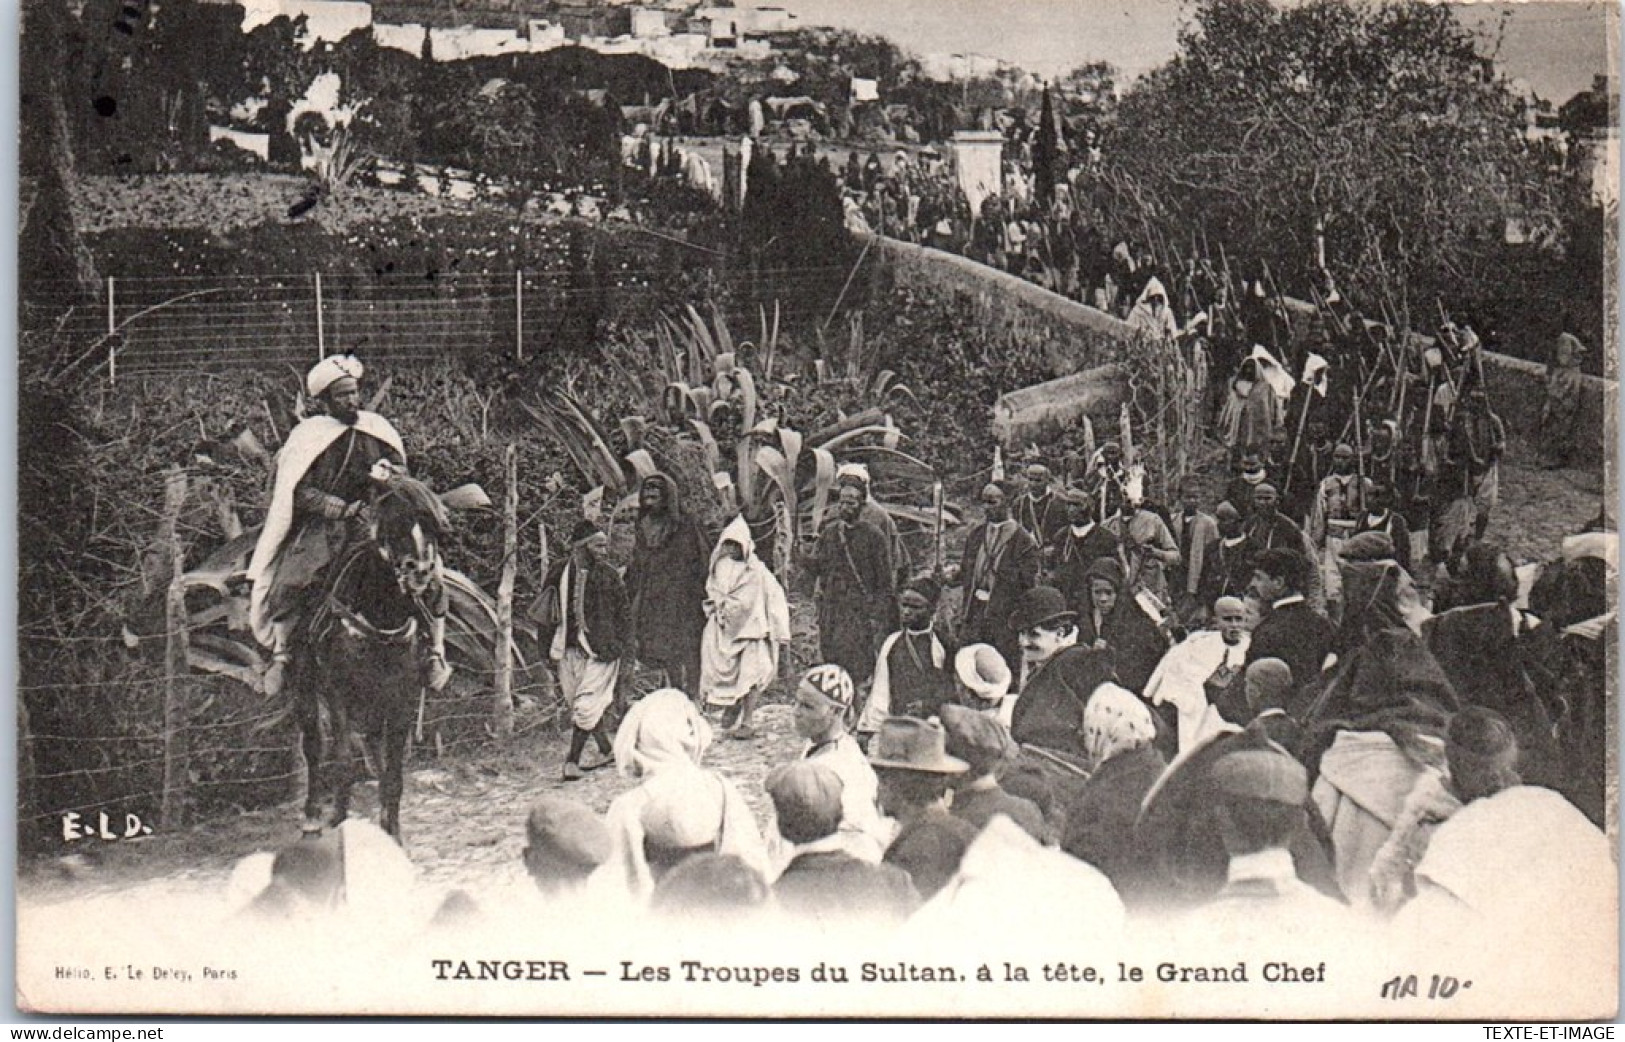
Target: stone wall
[[1080, 337]]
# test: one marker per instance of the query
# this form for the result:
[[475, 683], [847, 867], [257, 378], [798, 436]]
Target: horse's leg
[[309, 716], [345, 765], [392, 764]]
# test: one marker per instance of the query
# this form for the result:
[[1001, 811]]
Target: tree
[[1384, 122], [55, 267], [1047, 168]]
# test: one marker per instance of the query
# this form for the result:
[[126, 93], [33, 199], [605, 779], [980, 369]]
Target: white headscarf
[[1115, 721], [660, 729]]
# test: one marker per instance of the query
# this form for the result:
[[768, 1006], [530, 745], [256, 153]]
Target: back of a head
[[710, 885], [1268, 683], [806, 800], [1261, 793], [564, 842], [1487, 575], [683, 817], [309, 868], [1287, 565], [977, 738], [1482, 752]]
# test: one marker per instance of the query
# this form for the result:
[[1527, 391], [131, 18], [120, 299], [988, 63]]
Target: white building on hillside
[[327, 21]]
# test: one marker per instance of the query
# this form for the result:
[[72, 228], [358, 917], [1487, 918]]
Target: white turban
[[331, 370], [853, 470]]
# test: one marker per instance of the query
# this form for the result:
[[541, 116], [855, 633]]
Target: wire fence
[[170, 323], [96, 738]]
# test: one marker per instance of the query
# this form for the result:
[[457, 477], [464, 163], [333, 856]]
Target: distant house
[[479, 14], [326, 21], [581, 19]]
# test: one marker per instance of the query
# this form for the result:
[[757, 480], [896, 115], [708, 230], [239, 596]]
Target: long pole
[[112, 341], [937, 512], [519, 315], [1297, 440], [502, 709], [1359, 449], [172, 808], [321, 333]]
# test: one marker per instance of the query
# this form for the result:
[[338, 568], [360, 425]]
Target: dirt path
[[463, 817]]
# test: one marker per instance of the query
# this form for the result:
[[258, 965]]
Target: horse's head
[[408, 520]]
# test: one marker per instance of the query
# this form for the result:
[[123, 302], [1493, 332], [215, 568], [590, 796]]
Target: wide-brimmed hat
[[1039, 605], [904, 743]]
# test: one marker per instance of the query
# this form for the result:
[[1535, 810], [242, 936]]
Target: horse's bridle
[[357, 625]]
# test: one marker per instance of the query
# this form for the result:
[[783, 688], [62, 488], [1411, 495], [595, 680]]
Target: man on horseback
[[324, 482]]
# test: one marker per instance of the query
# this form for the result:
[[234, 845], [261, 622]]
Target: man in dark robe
[[665, 581], [583, 614], [1229, 564], [1107, 480], [1380, 516], [1195, 531], [1083, 541], [912, 675], [1269, 529], [1497, 657], [853, 570], [1250, 473], [1560, 413], [1113, 621], [1000, 564], [1058, 676], [1314, 462], [1038, 509], [1291, 630]]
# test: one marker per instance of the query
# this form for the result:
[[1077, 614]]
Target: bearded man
[[855, 596], [322, 486], [665, 582]]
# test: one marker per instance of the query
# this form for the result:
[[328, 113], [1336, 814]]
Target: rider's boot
[[277, 673]]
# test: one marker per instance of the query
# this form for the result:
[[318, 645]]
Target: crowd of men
[[1206, 708]]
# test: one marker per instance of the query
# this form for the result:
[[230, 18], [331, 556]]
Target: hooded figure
[[747, 621], [1379, 725], [1151, 315], [1114, 620], [1252, 412], [679, 808], [1500, 658], [665, 582], [1118, 730], [1559, 418]]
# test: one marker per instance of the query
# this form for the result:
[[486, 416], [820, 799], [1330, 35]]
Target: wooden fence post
[[502, 716], [112, 338], [172, 810], [321, 333]]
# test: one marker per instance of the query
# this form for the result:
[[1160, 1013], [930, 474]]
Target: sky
[[1555, 46]]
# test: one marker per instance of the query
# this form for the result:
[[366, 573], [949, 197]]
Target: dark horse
[[363, 656]]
